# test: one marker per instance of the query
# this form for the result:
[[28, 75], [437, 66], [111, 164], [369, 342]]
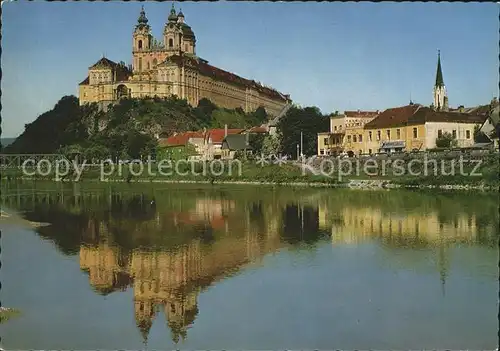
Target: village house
[[346, 133], [212, 148], [491, 127], [234, 143], [416, 127], [405, 128], [208, 144]]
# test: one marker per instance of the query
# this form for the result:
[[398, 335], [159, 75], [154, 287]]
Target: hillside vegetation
[[127, 129]]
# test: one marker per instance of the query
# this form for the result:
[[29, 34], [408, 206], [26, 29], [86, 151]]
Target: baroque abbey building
[[172, 67]]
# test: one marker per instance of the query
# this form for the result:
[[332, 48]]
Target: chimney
[[494, 102], [225, 130]]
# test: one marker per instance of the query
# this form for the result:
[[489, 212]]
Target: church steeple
[[439, 73], [142, 21], [440, 95], [173, 15]]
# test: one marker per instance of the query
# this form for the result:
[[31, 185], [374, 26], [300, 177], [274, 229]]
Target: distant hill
[[6, 141], [127, 129]]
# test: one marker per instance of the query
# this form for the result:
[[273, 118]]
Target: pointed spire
[[173, 14], [439, 73], [142, 20]]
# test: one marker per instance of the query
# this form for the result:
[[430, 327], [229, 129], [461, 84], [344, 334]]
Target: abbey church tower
[[148, 52], [142, 40], [440, 95], [177, 35], [169, 66]]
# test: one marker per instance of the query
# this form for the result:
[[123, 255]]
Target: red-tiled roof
[[393, 117], [217, 135], [219, 74], [426, 114], [417, 114], [180, 139], [361, 114]]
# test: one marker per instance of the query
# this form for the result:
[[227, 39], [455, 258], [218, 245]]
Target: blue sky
[[337, 56]]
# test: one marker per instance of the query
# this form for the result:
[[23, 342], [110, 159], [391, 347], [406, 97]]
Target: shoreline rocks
[[365, 184]]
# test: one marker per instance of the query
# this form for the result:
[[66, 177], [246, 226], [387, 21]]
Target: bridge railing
[[29, 160]]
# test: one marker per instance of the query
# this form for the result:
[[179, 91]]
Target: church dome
[[173, 16], [187, 31], [142, 17]]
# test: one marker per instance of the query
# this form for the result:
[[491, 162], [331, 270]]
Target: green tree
[[310, 121], [257, 117], [204, 112], [446, 140], [231, 118], [256, 142], [55, 128], [272, 144]]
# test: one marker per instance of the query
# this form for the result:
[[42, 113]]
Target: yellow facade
[[346, 133], [354, 140], [413, 137], [171, 67], [360, 224]]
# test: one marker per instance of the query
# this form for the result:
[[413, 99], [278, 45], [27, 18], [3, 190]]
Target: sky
[[336, 56]]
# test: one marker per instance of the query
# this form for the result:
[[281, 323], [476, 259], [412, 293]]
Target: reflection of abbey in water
[[352, 224], [171, 280], [171, 249]]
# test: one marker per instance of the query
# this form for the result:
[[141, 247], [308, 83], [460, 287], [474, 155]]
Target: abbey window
[[139, 44]]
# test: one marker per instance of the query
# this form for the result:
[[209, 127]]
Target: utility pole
[[301, 146], [298, 153]]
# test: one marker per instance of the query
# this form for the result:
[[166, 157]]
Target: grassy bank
[[8, 313], [483, 175], [226, 172]]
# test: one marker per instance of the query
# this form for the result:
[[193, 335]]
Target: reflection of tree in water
[[205, 233], [140, 207], [300, 224], [256, 216], [488, 230], [69, 229]]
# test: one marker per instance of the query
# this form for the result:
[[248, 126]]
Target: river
[[149, 266]]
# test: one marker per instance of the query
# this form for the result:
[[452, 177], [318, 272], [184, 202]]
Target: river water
[[247, 267]]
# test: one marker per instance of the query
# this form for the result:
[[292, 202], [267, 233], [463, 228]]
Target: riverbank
[[16, 220], [360, 184], [8, 313], [277, 175]]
